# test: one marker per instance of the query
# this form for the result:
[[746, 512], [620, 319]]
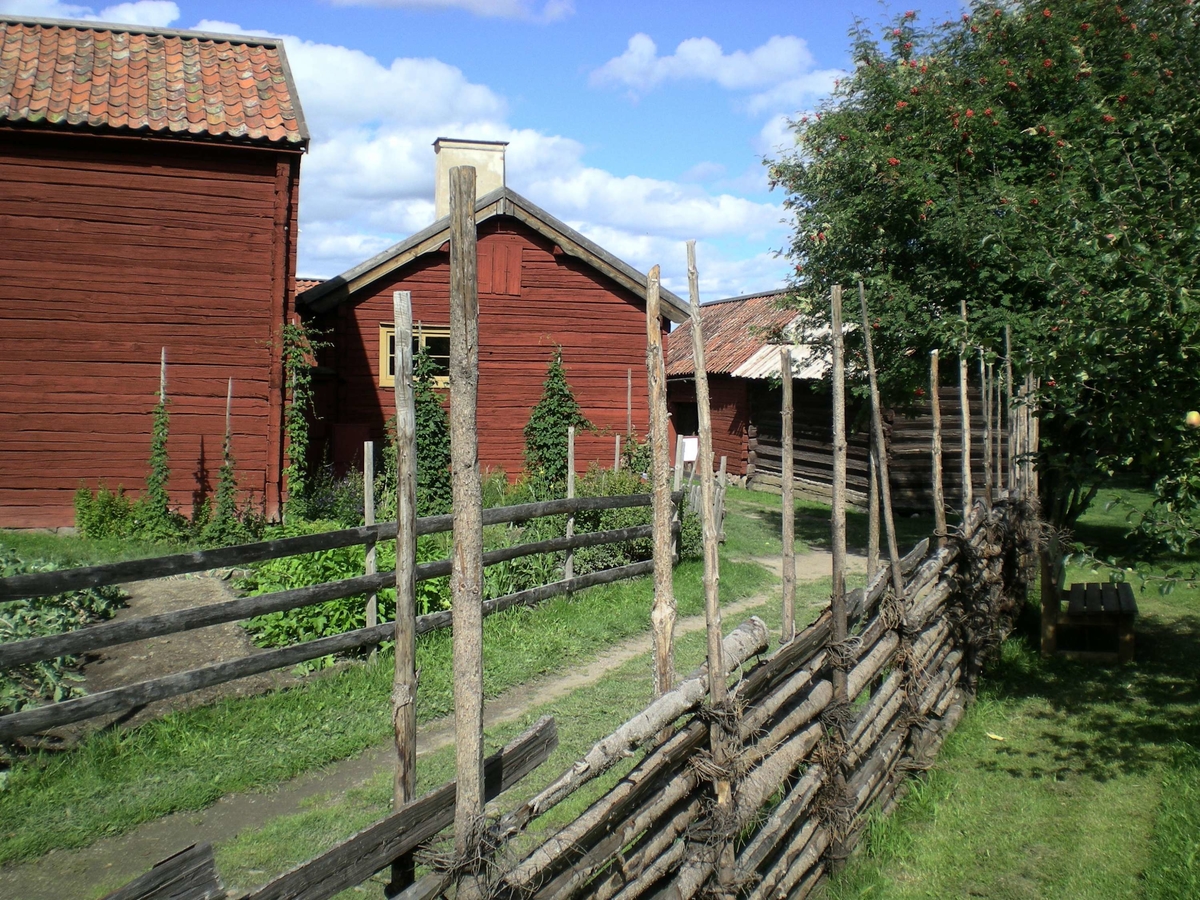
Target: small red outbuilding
[[541, 285], [148, 196]]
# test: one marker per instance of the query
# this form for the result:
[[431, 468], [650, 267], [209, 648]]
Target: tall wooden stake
[[617, 454], [837, 600], [965, 399], [678, 462], [872, 510], [404, 679], [1008, 405], [662, 615], [997, 427], [935, 406], [162, 377], [466, 574], [629, 401], [369, 519], [788, 492], [569, 565], [985, 396], [885, 484]]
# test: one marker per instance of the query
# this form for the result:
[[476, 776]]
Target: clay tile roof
[[83, 75], [734, 330], [303, 284]]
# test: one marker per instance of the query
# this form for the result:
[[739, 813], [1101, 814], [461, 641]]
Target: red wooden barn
[[541, 285], [148, 194]]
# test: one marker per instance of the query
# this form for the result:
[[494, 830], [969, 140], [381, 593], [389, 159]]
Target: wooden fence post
[[1008, 404], [569, 564], [369, 567], [997, 427], [837, 601], [712, 575], [935, 405], [885, 484], [985, 397], [722, 483], [629, 401], [788, 497], [466, 577], [662, 615], [617, 455], [968, 497], [872, 509], [678, 463], [404, 680]]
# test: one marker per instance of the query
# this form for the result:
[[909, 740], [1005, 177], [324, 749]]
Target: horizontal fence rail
[[41, 584], [96, 637]]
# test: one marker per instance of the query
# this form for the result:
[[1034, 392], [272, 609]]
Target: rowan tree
[[1041, 161]]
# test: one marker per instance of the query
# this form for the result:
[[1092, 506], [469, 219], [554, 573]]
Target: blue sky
[[640, 124]]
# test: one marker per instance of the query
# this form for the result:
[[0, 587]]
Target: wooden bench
[[1098, 618]]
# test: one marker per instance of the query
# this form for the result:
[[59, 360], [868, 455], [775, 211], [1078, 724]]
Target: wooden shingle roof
[[734, 331], [84, 76]]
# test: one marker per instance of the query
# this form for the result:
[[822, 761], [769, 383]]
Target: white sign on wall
[[691, 449]]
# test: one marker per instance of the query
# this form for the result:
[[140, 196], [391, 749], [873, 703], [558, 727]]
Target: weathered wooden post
[[997, 426], [569, 565], [617, 455], [1008, 404], [369, 566], [678, 462], [872, 509], [404, 679], [662, 616], [985, 396], [712, 576], [935, 406], [788, 499], [885, 484], [629, 401], [466, 574], [965, 399], [837, 601], [722, 484]]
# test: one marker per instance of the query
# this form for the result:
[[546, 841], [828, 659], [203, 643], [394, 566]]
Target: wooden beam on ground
[[404, 679], [190, 874], [466, 579], [788, 497], [663, 613]]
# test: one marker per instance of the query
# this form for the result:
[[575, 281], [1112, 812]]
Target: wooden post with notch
[[404, 679], [935, 407], [788, 496], [466, 574], [663, 613], [964, 397]]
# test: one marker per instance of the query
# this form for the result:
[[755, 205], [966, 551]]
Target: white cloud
[[703, 172], [702, 59], [549, 11], [795, 93], [776, 136], [149, 13]]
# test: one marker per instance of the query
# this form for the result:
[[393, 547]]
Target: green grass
[[583, 717], [187, 760], [76, 550], [1094, 791]]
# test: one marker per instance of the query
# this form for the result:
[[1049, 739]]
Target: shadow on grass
[[813, 528], [1103, 722]]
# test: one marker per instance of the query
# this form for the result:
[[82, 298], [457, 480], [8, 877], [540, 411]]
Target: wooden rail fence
[[97, 637]]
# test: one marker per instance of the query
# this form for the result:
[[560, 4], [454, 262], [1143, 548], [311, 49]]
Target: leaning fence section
[[806, 768]]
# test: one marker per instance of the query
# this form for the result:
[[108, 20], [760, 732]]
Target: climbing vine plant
[[300, 346]]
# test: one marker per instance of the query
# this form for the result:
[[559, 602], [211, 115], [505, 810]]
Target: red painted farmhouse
[[148, 195], [541, 285]]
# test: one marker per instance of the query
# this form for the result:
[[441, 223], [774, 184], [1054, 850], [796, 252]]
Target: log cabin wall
[[909, 432], [532, 298], [114, 249]]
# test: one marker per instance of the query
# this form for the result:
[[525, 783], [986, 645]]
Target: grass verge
[[1064, 779], [186, 760]]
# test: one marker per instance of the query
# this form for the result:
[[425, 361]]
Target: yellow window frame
[[422, 334]]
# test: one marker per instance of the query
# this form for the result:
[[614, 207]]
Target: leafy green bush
[[56, 679], [546, 431], [279, 629]]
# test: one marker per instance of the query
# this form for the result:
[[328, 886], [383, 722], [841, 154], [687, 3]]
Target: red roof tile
[[303, 284], [734, 330], [79, 75]]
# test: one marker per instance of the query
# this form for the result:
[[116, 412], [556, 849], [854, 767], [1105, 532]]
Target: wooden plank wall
[[729, 402], [113, 250], [909, 438], [557, 300]]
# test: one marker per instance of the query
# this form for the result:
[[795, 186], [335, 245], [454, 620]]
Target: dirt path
[[113, 861]]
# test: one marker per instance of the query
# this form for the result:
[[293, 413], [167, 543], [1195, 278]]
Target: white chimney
[[486, 156]]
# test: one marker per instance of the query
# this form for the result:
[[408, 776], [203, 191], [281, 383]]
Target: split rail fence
[[97, 637]]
